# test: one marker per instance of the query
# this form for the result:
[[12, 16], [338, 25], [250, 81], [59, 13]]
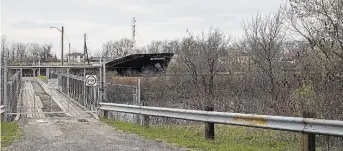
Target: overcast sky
[[29, 20]]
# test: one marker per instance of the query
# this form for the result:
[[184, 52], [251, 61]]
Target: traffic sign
[[91, 80]]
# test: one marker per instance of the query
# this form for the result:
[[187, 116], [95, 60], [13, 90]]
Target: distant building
[[290, 57], [242, 58], [76, 57], [97, 59], [237, 57]]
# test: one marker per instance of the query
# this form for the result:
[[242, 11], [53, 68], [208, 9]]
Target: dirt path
[[66, 134]]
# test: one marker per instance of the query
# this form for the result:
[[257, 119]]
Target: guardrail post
[[105, 114], [209, 127], [2, 117], [309, 140], [146, 118]]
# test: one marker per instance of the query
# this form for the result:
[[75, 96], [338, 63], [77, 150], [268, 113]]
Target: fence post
[[146, 119], [139, 118], [34, 72], [309, 140], [10, 99], [5, 86], [47, 74], [84, 87], [21, 73], [104, 87], [99, 86], [138, 96], [68, 89]]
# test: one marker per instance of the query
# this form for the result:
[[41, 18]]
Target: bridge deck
[[32, 103]]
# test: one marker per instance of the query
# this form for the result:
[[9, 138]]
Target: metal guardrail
[[2, 109], [296, 124], [69, 66]]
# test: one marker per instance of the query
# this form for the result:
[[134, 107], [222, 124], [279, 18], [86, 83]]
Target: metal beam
[[296, 124], [30, 67], [21, 113]]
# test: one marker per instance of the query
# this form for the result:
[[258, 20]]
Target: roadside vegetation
[[10, 131], [227, 137], [42, 77]]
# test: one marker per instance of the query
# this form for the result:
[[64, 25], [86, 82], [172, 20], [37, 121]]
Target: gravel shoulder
[[69, 133], [65, 134]]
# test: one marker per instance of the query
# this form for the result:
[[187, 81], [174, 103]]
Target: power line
[[139, 36]]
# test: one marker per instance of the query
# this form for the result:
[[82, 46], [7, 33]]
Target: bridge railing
[[73, 85], [309, 126]]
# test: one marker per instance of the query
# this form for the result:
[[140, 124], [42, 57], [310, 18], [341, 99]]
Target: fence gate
[[54, 91]]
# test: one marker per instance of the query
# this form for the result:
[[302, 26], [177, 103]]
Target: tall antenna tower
[[133, 33]]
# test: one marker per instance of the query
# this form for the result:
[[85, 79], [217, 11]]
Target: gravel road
[[67, 134]]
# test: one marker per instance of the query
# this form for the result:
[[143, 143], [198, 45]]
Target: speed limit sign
[[91, 80]]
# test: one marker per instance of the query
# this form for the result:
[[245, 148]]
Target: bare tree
[[19, 48], [320, 22], [155, 47], [3, 45], [200, 57], [34, 51], [45, 54], [124, 47], [172, 46], [108, 49], [114, 49], [166, 46], [263, 40]]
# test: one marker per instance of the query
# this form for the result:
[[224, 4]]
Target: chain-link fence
[[13, 92], [123, 90]]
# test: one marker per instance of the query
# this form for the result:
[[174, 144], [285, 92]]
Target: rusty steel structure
[[136, 64]]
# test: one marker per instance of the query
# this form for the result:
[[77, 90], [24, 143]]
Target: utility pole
[[85, 49], [133, 33], [69, 55], [62, 38]]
